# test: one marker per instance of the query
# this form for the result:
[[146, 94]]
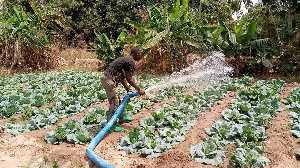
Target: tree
[[285, 8], [81, 17], [216, 10], [235, 43], [287, 24], [20, 34], [169, 35], [107, 50], [107, 16]]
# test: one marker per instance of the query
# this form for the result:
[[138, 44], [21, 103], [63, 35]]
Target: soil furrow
[[178, 157], [280, 145]]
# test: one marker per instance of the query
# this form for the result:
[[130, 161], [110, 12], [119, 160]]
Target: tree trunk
[[17, 53], [236, 66], [7, 57], [290, 19], [200, 9], [3, 55], [276, 26]]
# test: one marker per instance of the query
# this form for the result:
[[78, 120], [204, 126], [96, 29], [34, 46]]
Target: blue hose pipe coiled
[[90, 150]]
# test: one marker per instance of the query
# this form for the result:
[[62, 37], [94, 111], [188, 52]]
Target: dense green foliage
[[240, 41], [244, 126], [278, 20], [85, 16], [107, 50], [168, 125], [167, 30], [293, 104], [170, 34], [45, 99], [21, 35], [214, 11]]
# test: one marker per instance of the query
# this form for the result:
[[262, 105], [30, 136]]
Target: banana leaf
[[238, 29], [121, 37], [155, 18], [184, 10], [175, 11], [133, 24], [156, 39], [245, 38]]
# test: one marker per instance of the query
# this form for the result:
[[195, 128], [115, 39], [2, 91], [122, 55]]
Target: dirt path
[[280, 144], [30, 149], [172, 158], [178, 157]]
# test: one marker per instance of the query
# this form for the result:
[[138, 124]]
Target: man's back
[[118, 68]]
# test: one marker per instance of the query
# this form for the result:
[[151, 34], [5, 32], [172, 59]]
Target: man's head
[[136, 53]]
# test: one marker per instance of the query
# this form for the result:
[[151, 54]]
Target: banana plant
[[108, 50], [18, 33], [235, 43], [169, 31], [159, 25]]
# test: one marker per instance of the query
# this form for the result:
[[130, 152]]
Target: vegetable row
[[44, 99], [81, 131], [293, 104], [243, 125], [168, 126]]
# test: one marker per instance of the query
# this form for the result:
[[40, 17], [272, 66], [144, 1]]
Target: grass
[[77, 59], [68, 59]]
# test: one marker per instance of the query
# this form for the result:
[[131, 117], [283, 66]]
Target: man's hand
[[133, 84], [141, 91], [129, 90]]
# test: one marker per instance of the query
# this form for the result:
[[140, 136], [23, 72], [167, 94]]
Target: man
[[120, 70]]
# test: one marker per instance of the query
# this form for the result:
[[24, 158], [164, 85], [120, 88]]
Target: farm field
[[48, 120], [219, 84]]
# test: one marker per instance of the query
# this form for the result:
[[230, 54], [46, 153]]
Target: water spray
[[210, 69]]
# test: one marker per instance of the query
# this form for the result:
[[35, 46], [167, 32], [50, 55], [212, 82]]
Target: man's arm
[[133, 84], [124, 83]]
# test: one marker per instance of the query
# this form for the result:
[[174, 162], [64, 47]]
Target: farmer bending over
[[120, 70]]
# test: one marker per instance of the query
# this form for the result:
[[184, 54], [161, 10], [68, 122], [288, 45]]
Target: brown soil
[[280, 144], [30, 149], [178, 157]]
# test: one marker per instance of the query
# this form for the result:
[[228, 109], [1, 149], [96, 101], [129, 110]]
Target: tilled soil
[[30, 149], [176, 158], [280, 144]]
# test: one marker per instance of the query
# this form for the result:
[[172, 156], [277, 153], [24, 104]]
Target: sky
[[243, 9]]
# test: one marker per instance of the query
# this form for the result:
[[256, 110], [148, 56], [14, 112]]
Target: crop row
[[293, 104], [168, 126], [96, 118], [69, 92], [31, 91], [168, 92], [59, 94], [242, 125], [77, 131]]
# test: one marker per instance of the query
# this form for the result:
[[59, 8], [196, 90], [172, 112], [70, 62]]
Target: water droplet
[[208, 70]]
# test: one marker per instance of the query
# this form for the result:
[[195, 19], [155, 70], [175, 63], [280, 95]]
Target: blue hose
[[90, 150]]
